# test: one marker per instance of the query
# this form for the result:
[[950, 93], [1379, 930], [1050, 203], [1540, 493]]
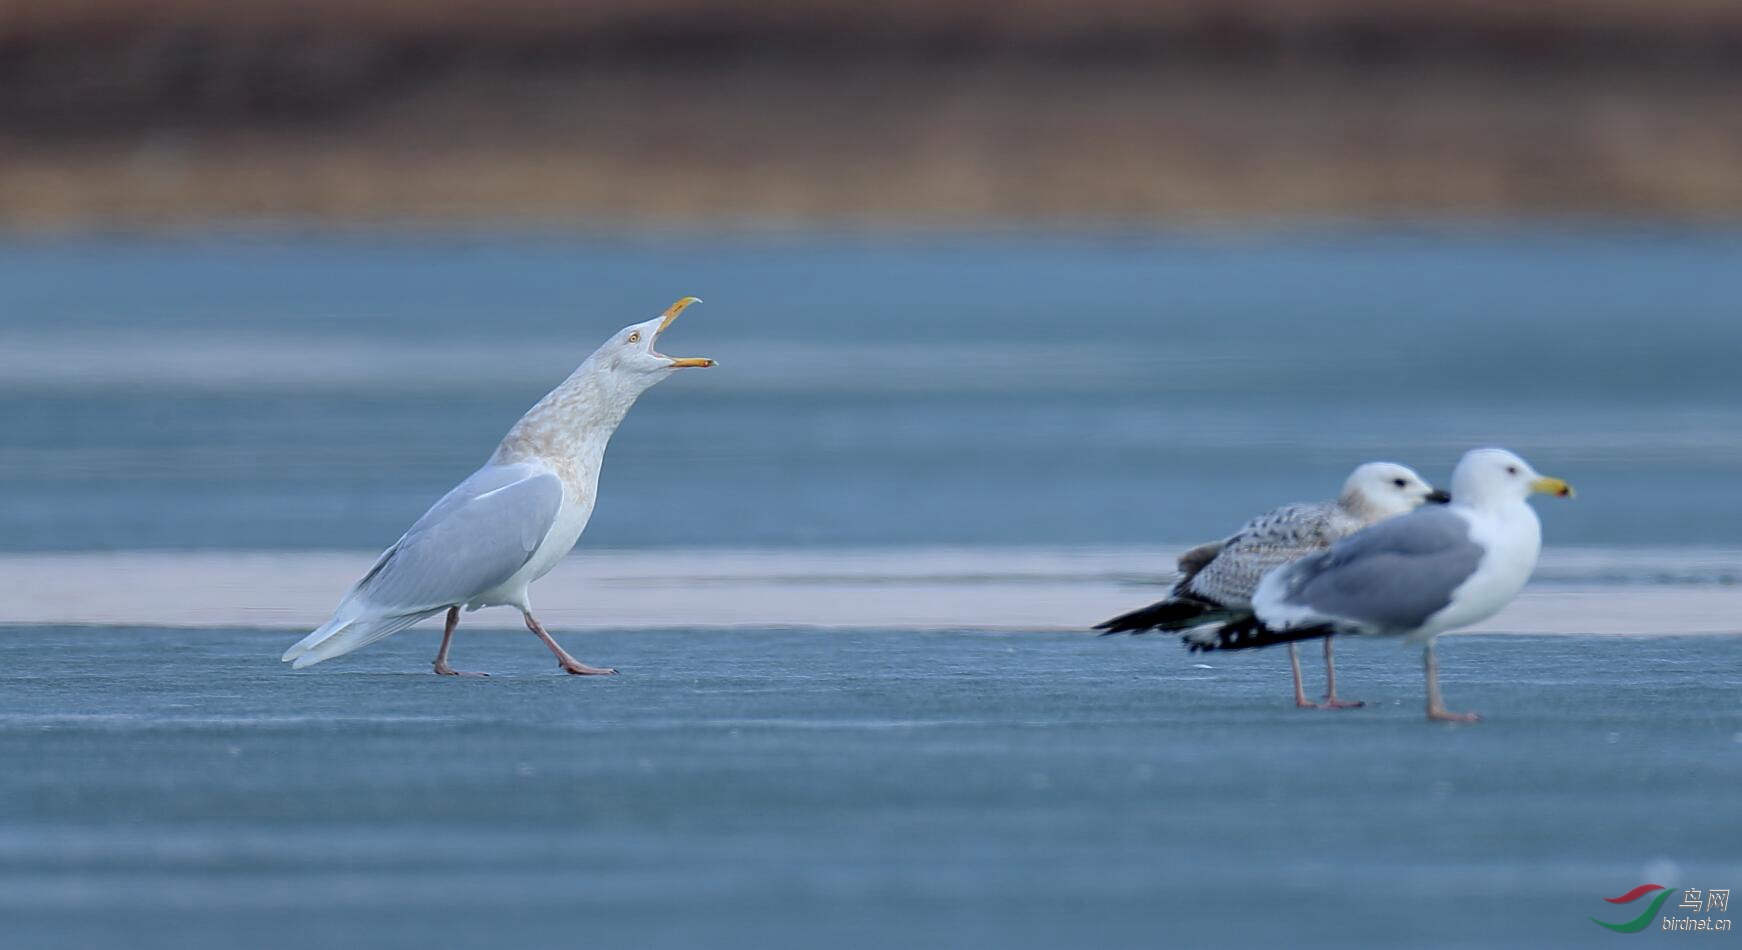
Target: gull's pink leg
[[1436, 708], [1331, 700], [568, 663], [1300, 699], [441, 661]]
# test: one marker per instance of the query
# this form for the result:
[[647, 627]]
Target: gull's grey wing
[[473, 539], [1391, 576], [1265, 543]]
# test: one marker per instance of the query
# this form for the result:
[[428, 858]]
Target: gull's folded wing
[[1391, 576], [475, 538], [1263, 544]]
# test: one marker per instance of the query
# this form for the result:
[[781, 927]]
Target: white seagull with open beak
[[511, 521]]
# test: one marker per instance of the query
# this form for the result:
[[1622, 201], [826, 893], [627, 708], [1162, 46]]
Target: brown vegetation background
[[175, 112]]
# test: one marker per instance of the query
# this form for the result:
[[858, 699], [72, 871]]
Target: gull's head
[[633, 356], [1379, 490], [1492, 476]]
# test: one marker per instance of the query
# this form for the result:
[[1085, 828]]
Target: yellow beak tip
[[1553, 486]]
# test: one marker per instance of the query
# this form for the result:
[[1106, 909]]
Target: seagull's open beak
[[665, 320], [1552, 486], [1438, 496], [671, 312]]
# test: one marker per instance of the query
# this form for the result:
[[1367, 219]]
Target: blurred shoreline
[[1645, 591], [957, 113]]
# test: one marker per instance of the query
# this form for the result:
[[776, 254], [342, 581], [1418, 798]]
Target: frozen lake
[[178, 789]]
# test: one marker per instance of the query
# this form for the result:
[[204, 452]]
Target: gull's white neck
[[570, 427], [1506, 510], [1511, 539]]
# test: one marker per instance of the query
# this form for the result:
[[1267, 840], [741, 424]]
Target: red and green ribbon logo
[[1643, 920]]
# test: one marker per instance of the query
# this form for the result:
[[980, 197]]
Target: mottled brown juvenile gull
[[1415, 576], [511, 521], [1218, 578]]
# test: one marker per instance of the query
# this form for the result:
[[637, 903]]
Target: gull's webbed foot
[[576, 668]]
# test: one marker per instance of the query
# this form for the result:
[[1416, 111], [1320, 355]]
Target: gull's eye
[[1400, 483], [1512, 470], [635, 337]]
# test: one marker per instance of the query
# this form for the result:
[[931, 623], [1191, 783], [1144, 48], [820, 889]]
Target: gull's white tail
[[340, 636]]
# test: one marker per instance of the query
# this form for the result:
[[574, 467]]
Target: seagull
[[1218, 578], [1414, 576], [511, 521]]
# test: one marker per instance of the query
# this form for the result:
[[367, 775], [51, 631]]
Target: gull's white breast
[[1511, 539]]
